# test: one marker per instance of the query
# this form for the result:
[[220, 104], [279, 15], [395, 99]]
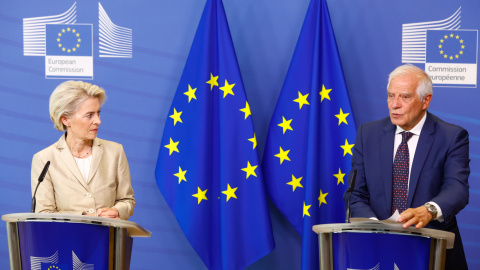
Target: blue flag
[[452, 46], [311, 135], [69, 39], [208, 168]]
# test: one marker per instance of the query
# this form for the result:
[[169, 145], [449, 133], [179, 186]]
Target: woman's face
[[83, 124]]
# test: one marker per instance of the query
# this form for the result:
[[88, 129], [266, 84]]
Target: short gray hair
[[67, 97], [424, 86]]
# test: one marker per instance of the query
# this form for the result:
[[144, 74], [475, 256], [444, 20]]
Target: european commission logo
[[449, 53], [53, 263], [68, 46], [68, 51]]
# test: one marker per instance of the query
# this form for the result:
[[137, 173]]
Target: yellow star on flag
[[172, 146], [305, 209], [250, 170], [321, 198], [246, 110], [181, 175], [176, 116], [190, 93], [302, 100], [347, 148], [230, 192], [285, 124], [295, 182], [201, 195], [339, 176], [254, 140], [324, 93], [283, 155], [213, 81], [342, 117], [227, 89]]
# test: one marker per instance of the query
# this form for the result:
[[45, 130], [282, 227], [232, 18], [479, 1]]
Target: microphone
[[350, 189], [40, 179]]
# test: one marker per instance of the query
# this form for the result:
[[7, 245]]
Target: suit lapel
[[69, 161], [386, 161], [96, 157], [423, 148]]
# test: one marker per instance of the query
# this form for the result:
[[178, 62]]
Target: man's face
[[406, 108]]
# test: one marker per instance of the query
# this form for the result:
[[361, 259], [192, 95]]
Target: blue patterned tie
[[400, 174]]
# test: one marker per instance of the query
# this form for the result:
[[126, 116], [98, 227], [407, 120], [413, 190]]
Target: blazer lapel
[[423, 148], [96, 157], [386, 161], [69, 161]]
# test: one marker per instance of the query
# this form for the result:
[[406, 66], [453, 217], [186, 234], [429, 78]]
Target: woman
[[87, 175]]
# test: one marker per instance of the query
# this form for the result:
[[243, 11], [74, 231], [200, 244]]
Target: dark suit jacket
[[439, 171]]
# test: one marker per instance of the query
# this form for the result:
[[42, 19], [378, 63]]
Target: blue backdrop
[[140, 68]]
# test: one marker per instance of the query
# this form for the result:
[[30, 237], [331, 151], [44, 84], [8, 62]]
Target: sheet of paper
[[391, 220], [394, 217]]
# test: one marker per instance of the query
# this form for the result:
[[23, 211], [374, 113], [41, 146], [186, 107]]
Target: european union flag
[[311, 135], [69, 39], [208, 168], [452, 46]]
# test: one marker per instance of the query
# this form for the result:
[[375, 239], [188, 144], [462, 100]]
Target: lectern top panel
[[377, 227], [133, 229]]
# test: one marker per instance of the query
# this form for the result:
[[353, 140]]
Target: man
[[414, 162]]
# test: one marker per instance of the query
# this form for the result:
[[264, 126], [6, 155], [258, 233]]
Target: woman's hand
[[108, 213]]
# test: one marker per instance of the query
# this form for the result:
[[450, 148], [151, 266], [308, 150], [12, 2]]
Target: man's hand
[[419, 217], [108, 213]]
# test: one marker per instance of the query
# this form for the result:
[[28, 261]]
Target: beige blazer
[[64, 189]]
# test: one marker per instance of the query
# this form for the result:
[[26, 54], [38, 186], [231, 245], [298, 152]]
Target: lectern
[[376, 245], [64, 241]]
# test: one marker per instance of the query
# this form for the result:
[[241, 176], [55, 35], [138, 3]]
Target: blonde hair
[[67, 97], [424, 86]]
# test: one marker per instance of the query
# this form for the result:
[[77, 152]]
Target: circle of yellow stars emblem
[[455, 46], [53, 267], [68, 35]]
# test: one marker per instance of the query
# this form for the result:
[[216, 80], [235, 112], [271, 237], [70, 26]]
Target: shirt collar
[[416, 129]]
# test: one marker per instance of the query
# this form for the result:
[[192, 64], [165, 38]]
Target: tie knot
[[406, 136]]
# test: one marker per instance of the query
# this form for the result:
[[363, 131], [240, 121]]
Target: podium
[[65, 241], [376, 245]]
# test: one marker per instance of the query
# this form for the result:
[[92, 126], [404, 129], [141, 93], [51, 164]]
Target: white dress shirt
[[84, 165], [412, 147]]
